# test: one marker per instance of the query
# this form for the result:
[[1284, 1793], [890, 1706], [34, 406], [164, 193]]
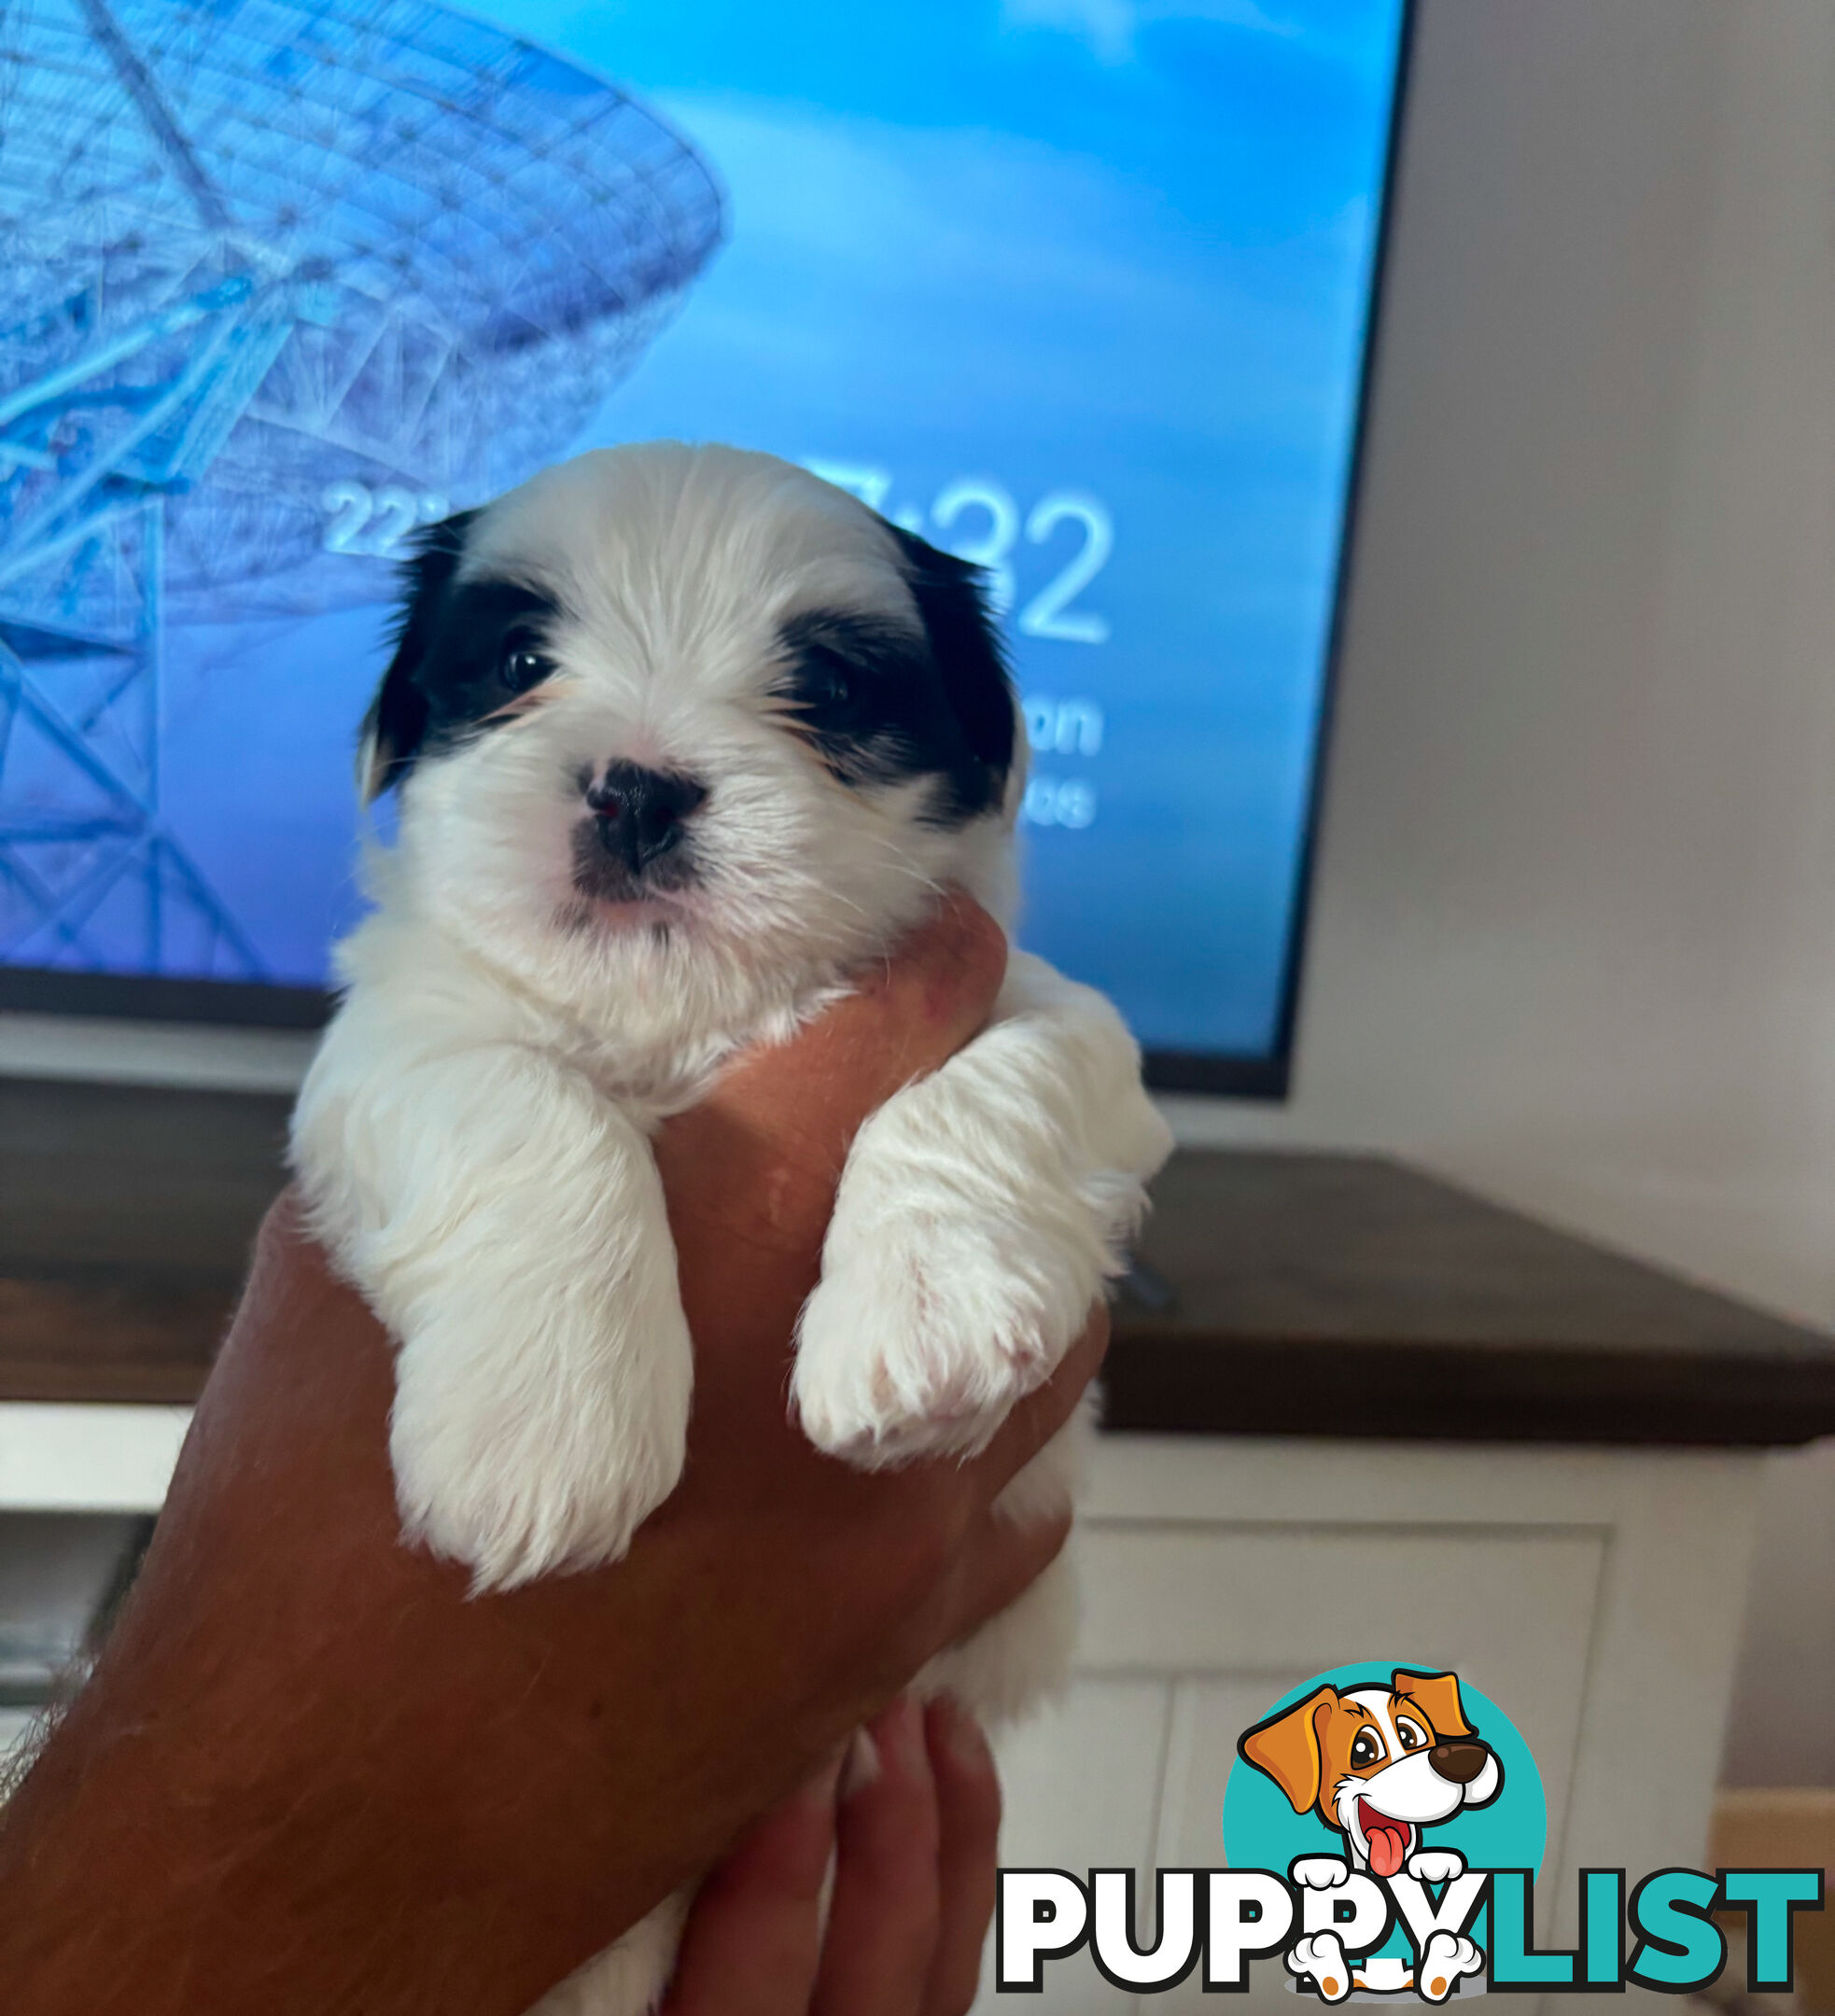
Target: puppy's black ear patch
[[396, 725], [965, 642]]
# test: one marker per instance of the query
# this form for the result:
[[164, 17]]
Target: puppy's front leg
[[506, 1223], [979, 1213]]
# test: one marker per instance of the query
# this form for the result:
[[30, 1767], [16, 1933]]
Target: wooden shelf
[[126, 1218], [1349, 1295], [1291, 1295]]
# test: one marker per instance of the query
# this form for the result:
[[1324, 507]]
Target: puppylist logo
[[1384, 1828]]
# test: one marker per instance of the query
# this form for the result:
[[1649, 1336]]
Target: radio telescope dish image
[[282, 280]]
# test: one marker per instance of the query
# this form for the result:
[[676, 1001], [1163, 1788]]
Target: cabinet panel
[[1083, 1783], [1180, 1597], [1191, 1630], [1249, 1612]]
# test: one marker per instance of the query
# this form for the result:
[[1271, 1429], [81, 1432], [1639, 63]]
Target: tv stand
[[1354, 1414]]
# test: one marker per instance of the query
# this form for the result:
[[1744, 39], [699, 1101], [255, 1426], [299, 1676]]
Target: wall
[[1573, 934]]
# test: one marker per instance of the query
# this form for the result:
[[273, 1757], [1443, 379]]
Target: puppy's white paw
[[1436, 1865], [532, 1479], [922, 1335], [1320, 1959], [979, 1214], [1320, 1872], [1445, 1959]]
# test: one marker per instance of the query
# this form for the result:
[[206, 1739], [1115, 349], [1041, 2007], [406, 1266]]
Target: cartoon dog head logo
[[1378, 1763]]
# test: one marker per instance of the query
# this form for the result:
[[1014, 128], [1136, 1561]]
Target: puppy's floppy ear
[[1286, 1748], [395, 724], [965, 641], [1437, 1694]]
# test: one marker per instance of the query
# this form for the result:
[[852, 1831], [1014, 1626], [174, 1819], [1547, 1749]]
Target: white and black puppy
[[682, 735]]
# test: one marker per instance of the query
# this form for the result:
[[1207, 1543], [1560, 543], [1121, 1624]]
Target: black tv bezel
[[256, 1004]]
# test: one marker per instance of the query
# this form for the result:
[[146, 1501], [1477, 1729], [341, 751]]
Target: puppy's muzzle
[[1459, 1763], [639, 815]]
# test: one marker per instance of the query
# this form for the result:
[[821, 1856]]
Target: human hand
[[915, 1882], [309, 1774]]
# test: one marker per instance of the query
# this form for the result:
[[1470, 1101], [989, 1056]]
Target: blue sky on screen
[[1076, 285]]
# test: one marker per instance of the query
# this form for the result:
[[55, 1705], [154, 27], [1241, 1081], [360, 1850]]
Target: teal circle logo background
[[1261, 1830]]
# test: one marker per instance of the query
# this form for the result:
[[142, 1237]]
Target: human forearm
[[313, 1775]]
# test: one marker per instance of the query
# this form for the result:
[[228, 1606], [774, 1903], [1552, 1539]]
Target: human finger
[[968, 1798], [1040, 1414], [883, 1918], [753, 1943], [759, 1157], [996, 1556], [997, 1563], [905, 1013]]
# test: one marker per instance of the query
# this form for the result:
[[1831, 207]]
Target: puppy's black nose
[[638, 814], [1459, 1763]]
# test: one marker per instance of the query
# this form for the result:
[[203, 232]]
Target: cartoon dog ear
[[395, 724], [1438, 1695], [1286, 1747]]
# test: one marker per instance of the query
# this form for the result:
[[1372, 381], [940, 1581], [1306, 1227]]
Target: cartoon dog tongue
[[1389, 1843]]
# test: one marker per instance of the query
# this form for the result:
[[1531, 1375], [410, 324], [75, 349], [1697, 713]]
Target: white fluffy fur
[[473, 1139]]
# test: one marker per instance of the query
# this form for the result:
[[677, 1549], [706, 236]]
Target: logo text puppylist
[[1377, 1913]]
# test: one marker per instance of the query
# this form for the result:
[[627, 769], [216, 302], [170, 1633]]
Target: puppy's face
[[691, 725]]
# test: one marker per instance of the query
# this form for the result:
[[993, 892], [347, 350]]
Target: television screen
[[1078, 289]]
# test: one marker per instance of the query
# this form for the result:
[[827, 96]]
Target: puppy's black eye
[[865, 696], [826, 684], [830, 686], [523, 665], [1411, 1737], [1366, 1750]]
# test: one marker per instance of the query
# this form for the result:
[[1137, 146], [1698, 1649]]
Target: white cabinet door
[[1217, 1574], [1190, 1633]]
